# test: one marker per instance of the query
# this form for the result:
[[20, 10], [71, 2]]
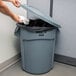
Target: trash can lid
[[42, 16]]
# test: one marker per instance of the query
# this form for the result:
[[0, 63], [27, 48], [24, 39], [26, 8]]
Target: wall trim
[[65, 59], [57, 58], [9, 62]]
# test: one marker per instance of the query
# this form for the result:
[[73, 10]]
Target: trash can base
[[33, 73]]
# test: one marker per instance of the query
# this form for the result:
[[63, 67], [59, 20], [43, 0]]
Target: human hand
[[15, 2], [20, 19], [16, 18]]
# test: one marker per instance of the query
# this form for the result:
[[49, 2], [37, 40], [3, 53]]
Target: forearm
[[14, 2], [7, 0], [5, 10]]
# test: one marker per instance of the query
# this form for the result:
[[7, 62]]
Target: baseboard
[[58, 58], [9, 62], [65, 59]]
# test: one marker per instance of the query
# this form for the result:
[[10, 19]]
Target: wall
[[64, 11], [42, 5], [9, 44]]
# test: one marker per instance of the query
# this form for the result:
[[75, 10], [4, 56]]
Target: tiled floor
[[58, 70]]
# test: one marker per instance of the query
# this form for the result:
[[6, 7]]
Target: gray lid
[[40, 15]]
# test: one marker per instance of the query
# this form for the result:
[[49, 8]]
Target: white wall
[[65, 13], [42, 5], [8, 41]]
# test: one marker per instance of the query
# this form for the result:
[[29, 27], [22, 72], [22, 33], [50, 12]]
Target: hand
[[20, 19], [16, 18], [15, 2]]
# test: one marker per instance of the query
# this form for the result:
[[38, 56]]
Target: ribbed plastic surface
[[37, 50]]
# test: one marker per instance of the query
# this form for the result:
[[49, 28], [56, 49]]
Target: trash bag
[[37, 25]]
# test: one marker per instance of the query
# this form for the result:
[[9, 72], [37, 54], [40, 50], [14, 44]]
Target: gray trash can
[[37, 44]]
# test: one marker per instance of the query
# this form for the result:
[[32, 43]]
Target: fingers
[[16, 3]]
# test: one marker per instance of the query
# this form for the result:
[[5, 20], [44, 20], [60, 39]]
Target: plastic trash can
[[37, 40]]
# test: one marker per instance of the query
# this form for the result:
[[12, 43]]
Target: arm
[[5, 10], [14, 2]]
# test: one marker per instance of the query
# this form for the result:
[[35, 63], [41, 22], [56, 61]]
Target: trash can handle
[[41, 34], [17, 31]]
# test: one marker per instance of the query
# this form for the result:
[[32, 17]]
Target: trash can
[[37, 40]]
